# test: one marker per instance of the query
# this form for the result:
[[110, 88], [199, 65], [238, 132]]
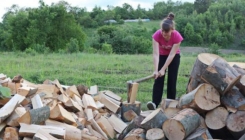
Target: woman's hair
[[168, 23]]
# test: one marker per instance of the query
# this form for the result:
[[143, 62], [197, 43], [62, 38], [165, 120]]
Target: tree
[[201, 6]]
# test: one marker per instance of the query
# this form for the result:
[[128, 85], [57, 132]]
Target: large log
[[171, 112], [200, 134], [202, 62], [182, 124], [135, 123], [136, 107], [221, 75], [233, 100], [154, 120], [216, 119], [137, 133], [236, 124], [204, 98]]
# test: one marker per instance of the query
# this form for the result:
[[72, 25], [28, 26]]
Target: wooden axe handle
[[144, 78]]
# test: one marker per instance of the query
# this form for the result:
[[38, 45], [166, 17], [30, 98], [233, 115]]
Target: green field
[[109, 72]]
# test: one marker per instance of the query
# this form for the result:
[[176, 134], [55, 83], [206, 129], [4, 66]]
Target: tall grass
[[109, 72]]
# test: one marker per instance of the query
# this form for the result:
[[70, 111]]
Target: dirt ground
[[202, 50]]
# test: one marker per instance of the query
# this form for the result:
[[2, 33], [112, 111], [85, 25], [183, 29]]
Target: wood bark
[[182, 124], [204, 98], [137, 133], [35, 116], [200, 134], [136, 107], [216, 118], [239, 69], [236, 124], [221, 75], [135, 123], [171, 112], [155, 134], [202, 62], [154, 120], [233, 100]]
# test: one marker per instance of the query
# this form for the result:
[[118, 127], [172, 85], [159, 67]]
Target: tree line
[[60, 27]]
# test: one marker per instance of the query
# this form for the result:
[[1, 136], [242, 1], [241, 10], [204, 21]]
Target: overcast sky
[[89, 4]]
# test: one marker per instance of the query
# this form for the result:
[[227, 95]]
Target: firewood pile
[[212, 108]]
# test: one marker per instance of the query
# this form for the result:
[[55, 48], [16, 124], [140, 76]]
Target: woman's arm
[[169, 59], [155, 46]]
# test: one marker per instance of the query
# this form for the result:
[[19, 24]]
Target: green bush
[[30, 51], [40, 48], [214, 48], [107, 48], [72, 46]]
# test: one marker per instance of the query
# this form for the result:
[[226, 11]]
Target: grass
[[109, 72]]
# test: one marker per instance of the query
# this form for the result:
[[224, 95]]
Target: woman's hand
[[161, 73], [156, 74]]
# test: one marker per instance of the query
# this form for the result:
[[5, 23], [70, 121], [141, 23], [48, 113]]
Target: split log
[[2, 126], [71, 132], [12, 120], [200, 134], [9, 107], [112, 95], [117, 123], [35, 116], [239, 64], [182, 124], [236, 124], [27, 130], [154, 120], [82, 89], [146, 113], [43, 135], [72, 90], [215, 119], [106, 127], [135, 123], [93, 132], [98, 129], [155, 134], [233, 100], [60, 114], [26, 91], [204, 98], [137, 133], [129, 115], [36, 102], [221, 75], [89, 102], [202, 62], [93, 90], [136, 107], [11, 133]]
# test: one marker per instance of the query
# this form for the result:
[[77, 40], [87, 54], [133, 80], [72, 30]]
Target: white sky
[[89, 4]]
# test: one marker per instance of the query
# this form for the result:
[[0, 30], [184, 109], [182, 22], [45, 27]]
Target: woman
[[166, 55]]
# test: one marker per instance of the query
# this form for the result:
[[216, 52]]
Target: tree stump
[[204, 98], [155, 134], [202, 62], [221, 75], [136, 107], [216, 118], [200, 134], [236, 124], [182, 124], [137, 133], [233, 100], [154, 120]]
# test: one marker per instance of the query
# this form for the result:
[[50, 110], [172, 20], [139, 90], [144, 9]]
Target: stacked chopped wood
[[212, 108]]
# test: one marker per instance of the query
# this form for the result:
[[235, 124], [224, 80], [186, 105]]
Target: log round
[[171, 112], [165, 103], [236, 124], [234, 99], [216, 119], [182, 124], [136, 107], [202, 62], [220, 74], [154, 120], [204, 98], [136, 134], [155, 134]]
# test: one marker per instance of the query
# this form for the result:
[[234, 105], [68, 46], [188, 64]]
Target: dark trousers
[[172, 79]]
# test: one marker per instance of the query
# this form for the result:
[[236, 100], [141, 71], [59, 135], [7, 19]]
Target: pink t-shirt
[[166, 46]]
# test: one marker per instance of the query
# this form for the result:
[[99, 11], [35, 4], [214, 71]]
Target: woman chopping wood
[[166, 55]]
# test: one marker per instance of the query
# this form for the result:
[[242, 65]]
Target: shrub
[[106, 48], [214, 48], [72, 46], [30, 51]]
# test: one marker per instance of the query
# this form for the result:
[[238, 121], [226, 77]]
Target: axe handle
[[144, 78]]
